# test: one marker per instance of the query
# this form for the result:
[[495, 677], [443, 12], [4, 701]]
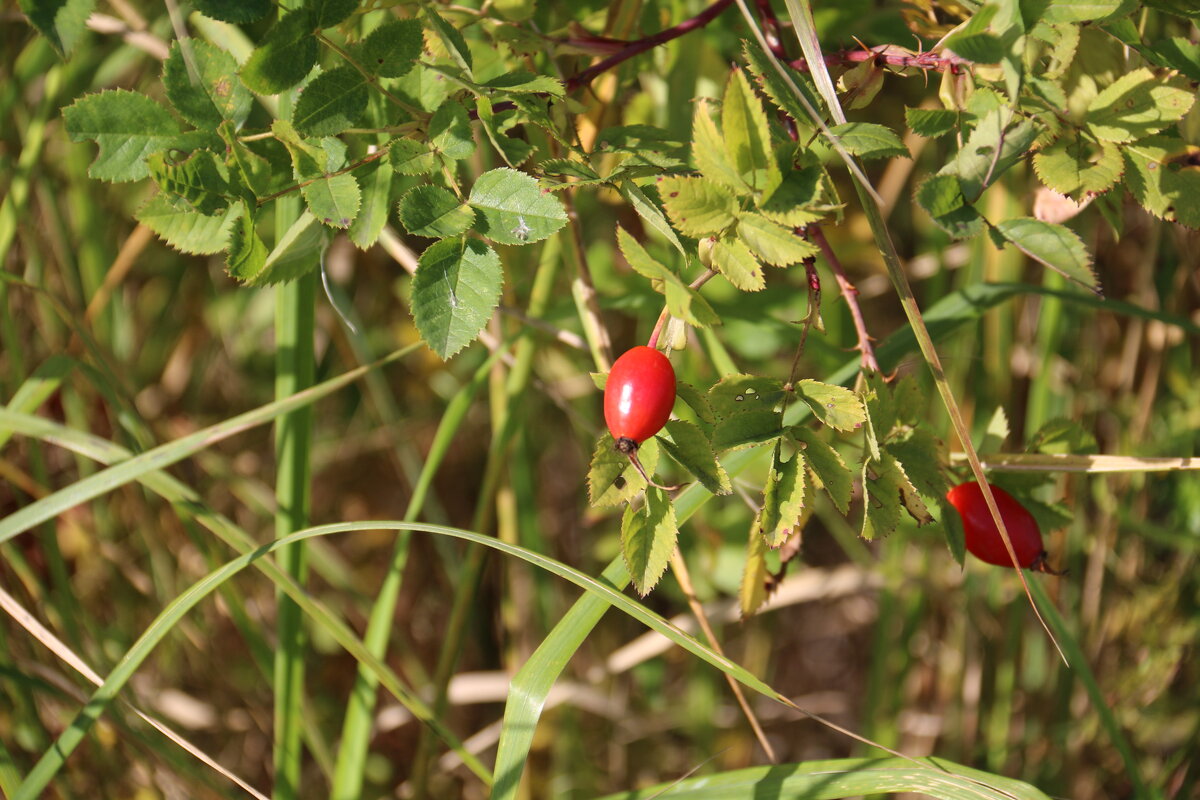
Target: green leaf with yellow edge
[[284, 56], [1137, 105], [827, 467], [1054, 245], [1076, 166], [612, 478], [648, 537], [513, 209], [1163, 175], [691, 449], [836, 406], [215, 94], [433, 212], [747, 135], [752, 592], [882, 481], [797, 199], [737, 394], [187, 230], [455, 291], [708, 151], [870, 140], [697, 206], [747, 430], [733, 259], [772, 243], [784, 498], [942, 197]]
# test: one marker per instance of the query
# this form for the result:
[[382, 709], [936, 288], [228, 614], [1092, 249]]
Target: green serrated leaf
[[1077, 167], [199, 179], [942, 197], [870, 140], [827, 467], [796, 201], [1162, 176], [450, 131], [1137, 105], [1080, 10], [1054, 245], [215, 94], [709, 151], [247, 253], [284, 57], [931, 122], [772, 243], [920, 454], [776, 88], [410, 157], [612, 478], [981, 48], [648, 538], [392, 49], [455, 291], [127, 126], [451, 39], [784, 497], [513, 209], [434, 212], [651, 213], [297, 253], [697, 206], [737, 394], [327, 13], [332, 102], [752, 592], [882, 481], [691, 449], [1181, 54], [564, 167], [62, 22], [733, 259], [235, 11], [977, 165], [376, 203], [333, 200], [696, 400], [1062, 437], [523, 81], [747, 430], [836, 406], [186, 230], [747, 135]]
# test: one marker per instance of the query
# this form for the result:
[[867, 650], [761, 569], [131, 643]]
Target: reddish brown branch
[[642, 45], [850, 295]]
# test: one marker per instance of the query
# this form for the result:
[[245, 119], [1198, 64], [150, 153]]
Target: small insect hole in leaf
[[619, 482]]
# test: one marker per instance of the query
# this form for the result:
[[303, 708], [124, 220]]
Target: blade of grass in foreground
[[847, 777], [171, 452]]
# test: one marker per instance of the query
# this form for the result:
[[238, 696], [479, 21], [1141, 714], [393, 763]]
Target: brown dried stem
[[850, 295]]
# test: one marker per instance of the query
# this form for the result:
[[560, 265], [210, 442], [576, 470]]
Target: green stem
[[294, 370]]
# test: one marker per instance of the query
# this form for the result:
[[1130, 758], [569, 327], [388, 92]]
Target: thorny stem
[[642, 45], [888, 55], [662, 317], [850, 295]]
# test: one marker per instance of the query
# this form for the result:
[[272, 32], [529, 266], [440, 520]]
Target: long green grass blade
[[164, 455]]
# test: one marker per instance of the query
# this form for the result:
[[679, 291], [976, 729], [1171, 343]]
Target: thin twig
[[679, 567], [665, 314], [850, 295], [642, 45]]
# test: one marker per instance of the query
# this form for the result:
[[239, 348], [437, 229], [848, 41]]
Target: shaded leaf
[[1162, 175], [331, 103], [247, 253], [691, 449], [434, 212], [796, 199], [737, 394], [1054, 245], [235, 11], [199, 179], [882, 481], [941, 196], [376, 203], [827, 467], [696, 400], [215, 96], [284, 57], [783, 498], [186, 230], [977, 165], [451, 39], [747, 430], [612, 478], [648, 538], [410, 157], [1076, 166], [931, 122], [1137, 105], [392, 49], [297, 252], [327, 13], [870, 140]]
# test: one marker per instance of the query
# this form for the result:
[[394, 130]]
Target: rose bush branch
[[850, 295]]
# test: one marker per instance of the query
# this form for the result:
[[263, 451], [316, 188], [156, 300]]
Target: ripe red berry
[[638, 397], [983, 537]]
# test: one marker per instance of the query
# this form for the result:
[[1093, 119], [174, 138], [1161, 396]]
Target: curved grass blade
[[846, 777], [171, 452]]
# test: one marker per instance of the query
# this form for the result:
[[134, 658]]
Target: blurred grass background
[[891, 639]]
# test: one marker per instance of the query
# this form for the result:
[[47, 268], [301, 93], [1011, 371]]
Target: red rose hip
[[983, 537], [638, 397]]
